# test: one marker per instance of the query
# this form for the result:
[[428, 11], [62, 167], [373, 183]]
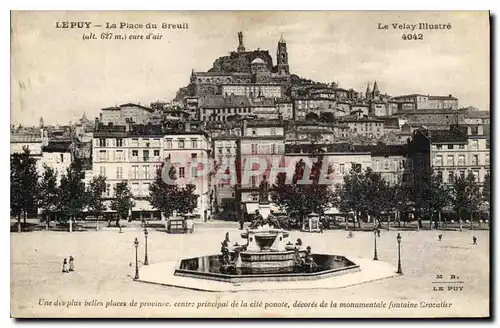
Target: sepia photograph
[[250, 164]]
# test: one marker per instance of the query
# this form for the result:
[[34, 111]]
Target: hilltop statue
[[264, 191]]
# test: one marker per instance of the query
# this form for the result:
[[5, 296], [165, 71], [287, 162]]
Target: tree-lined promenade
[[363, 194], [69, 199]]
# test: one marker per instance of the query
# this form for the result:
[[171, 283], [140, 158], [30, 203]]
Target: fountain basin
[[210, 268]]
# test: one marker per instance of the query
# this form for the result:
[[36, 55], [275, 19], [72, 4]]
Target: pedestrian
[[349, 234], [71, 263], [242, 222], [440, 237], [474, 240], [321, 226], [65, 266], [378, 232]]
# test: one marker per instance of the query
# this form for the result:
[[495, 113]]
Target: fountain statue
[[264, 191]]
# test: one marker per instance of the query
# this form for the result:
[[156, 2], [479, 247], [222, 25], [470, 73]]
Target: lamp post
[[375, 257], [146, 246], [136, 244], [399, 254]]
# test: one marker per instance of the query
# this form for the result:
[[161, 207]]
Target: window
[[194, 171], [156, 153], [342, 168], [169, 143], [119, 155], [62, 158], [220, 150], [386, 165], [194, 143], [119, 142], [194, 156], [181, 143], [145, 171], [181, 172], [254, 132], [134, 142], [440, 175], [119, 172], [462, 174], [450, 177], [439, 146], [102, 142], [102, 171], [102, 155], [487, 159], [356, 167], [254, 148], [135, 171], [475, 144], [135, 153], [476, 175], [461, 160], [145, 155], [475, 159], [450, 161], [439, 160], [450, 146], [253, 181], [273, 131], [108, 189], [487, 143], [461, 146]]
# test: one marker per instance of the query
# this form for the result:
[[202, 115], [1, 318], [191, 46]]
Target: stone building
[[135, 152], [419, 101], [120, 115]]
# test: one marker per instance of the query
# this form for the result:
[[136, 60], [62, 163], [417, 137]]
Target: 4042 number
[[413, 37]]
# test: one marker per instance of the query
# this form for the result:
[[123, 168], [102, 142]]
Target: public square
[[105, 263]]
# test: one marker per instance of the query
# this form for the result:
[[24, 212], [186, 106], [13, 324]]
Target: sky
[[57, 75]]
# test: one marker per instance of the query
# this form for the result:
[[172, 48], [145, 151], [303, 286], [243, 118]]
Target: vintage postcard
[[244, 164]]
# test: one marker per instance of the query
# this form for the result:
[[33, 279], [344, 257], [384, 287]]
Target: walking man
[[65, 266], [474, 240], [71, 263]]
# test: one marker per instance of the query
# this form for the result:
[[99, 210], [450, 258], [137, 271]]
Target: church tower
[[282, 57], [368, 94], [241, 47], [376, 93]]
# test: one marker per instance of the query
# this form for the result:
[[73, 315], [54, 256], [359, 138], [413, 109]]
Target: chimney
[[244, 130]]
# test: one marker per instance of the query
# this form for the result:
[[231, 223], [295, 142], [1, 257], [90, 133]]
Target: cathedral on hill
[[244, 70]]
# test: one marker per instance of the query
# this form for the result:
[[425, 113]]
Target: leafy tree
[[170, 197], [48, 193], [123, 202], [72, 193], [311, 116], [327, 117], [348, 196], [486, 189], [23, 185], [466, 196], [95, 192], [375, 194], [302, 198]]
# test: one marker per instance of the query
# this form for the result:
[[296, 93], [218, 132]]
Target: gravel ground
[[102, 284]]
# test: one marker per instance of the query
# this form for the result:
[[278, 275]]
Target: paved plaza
[[105, 264]]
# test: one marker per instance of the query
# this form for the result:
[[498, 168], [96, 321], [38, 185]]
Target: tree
[[327, 117], [72, 194], [375, 194], [348, 196], [486, 189], [123, 202], [48, 193], [466, 196], [95, 192], [311, 116], [23, 185], [301, 198], [170, 197]]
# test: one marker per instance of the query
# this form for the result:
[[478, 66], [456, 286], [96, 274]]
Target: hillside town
[[250, 104]]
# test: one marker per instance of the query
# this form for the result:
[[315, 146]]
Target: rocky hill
[[240, 62]]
